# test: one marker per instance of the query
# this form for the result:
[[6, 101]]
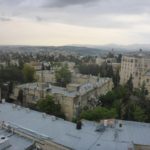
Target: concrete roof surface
[[65, 133], [16, 142]]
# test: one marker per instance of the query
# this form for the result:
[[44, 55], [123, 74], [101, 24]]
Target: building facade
[[138, 67], [73, 98]]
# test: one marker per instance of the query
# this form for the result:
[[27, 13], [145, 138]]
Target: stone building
[[138, 67], [73, 98], [45, 76]]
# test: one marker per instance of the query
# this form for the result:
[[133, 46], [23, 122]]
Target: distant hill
[[83, 50], [69, 49], [115, 47]]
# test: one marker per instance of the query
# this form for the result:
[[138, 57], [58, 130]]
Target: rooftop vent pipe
[[79, 125]]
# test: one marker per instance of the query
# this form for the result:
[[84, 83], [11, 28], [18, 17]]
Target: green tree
[[89, 69], [10, 87], [116, 79], [143, 92], [10, 73], [110, 54], [21, 64], [145, 105], [139, 114], [106, 70], [20, 96], [119, 58], [48, 106], [63, 76], [28, 73], [127, 111], [129, 84], [108, 99], [98, 113]]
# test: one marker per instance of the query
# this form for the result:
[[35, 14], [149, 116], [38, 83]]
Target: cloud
[[65, 3], [100, 6], [4, 19], [125, 15]]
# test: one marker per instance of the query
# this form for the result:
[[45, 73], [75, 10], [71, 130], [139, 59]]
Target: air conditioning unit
[[53, 118], [19, 108], [4, 142], [44, 115], [14, 106], [28, 110], [3, 100]]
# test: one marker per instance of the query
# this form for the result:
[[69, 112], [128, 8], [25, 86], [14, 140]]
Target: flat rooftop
[[57, 89], [16, 142], [65, 133]]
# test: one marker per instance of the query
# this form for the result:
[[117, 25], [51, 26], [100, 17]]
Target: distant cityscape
[[73, 97], [74, 74]]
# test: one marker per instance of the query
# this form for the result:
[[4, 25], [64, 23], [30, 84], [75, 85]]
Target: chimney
[[120, 125], [79, 125]]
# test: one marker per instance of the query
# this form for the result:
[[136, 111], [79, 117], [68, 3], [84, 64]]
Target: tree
[[63, 76], [129, 84], [10, 73], [106, 70], [20, 96], [110, 54], [28, 73], [89, 69], [116, 79], [103, 69], [10, 87], [143, 92], [139, 114], [98, 113], [145, 105], [43, 67], [21, 63], [110, 71], [108, 99], [119, 58], [127, 109], [48, 106]]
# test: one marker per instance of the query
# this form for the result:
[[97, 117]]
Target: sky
[[65, 22]]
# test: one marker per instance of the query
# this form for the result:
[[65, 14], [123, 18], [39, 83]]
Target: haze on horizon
[[63, 22]]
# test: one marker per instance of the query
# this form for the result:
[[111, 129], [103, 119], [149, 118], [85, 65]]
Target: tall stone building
[[137, 66]]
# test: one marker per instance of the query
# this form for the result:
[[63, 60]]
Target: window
[[145, 65]]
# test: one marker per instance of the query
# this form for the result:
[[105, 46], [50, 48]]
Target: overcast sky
[[62, 22]]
